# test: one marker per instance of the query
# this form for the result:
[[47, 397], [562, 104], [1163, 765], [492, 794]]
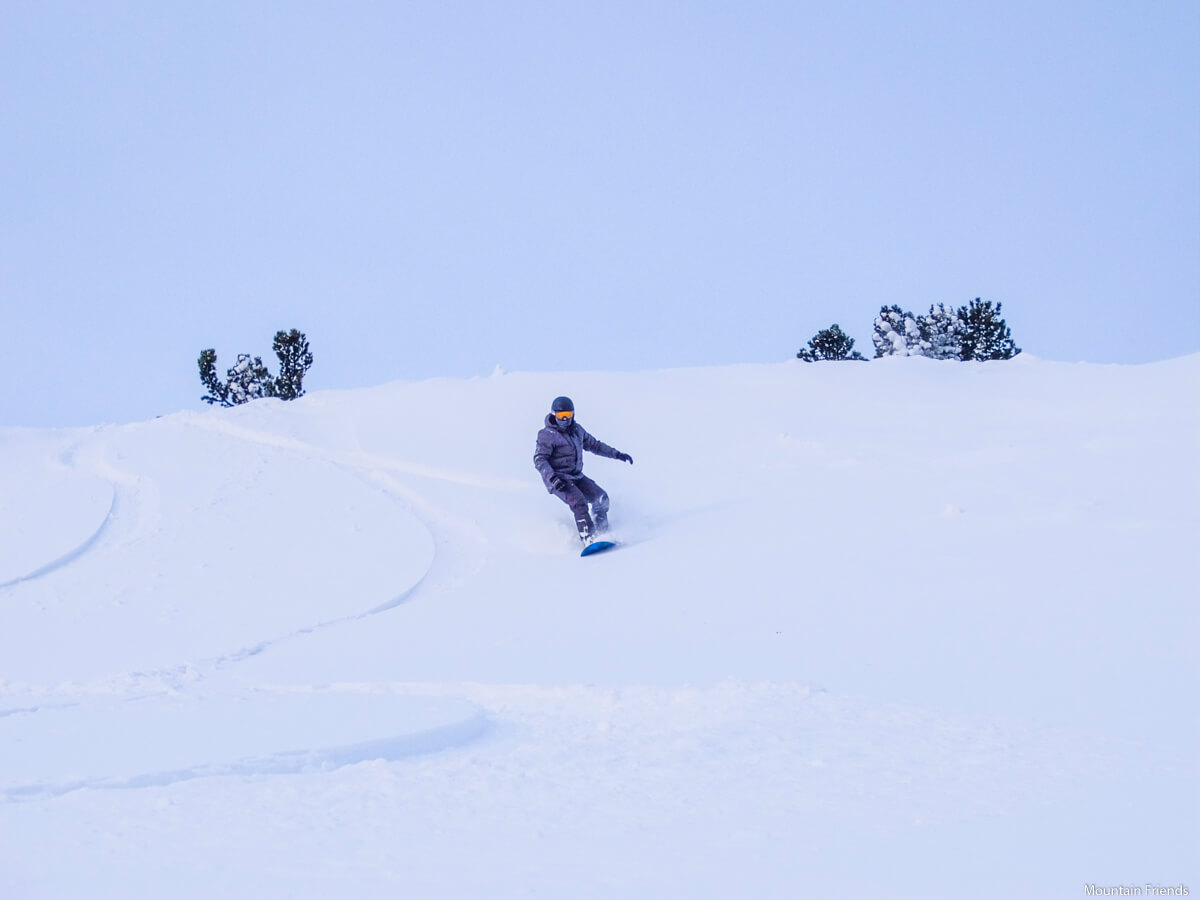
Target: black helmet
[[563, 411]]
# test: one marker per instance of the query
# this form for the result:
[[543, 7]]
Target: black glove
[[625, 457], [557, 482]]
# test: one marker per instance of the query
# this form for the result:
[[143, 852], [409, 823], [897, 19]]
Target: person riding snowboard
[[559, 460]]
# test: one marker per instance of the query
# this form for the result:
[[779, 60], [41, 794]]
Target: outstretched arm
[[592, 445]]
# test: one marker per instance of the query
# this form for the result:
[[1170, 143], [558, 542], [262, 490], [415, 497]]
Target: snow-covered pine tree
[[941, 330], [249, 380], [294, 360], [897, 333], [985, 335], [830, 344]]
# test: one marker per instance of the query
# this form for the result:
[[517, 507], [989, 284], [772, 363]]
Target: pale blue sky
[[436, 188]]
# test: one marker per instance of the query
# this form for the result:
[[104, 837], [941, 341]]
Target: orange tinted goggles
[[564, 415]]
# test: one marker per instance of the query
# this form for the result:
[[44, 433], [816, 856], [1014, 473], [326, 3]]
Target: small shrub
[[830, 344], [248, 379]]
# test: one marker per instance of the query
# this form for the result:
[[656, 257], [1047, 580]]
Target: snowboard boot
[[583, 522], [587, 533], [601, 523]]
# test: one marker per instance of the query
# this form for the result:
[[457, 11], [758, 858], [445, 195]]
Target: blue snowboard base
[[597, 547]]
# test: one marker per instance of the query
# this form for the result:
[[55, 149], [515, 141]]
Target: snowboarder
[[559, 460]]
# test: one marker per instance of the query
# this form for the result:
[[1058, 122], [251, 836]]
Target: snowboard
[[597, 547]]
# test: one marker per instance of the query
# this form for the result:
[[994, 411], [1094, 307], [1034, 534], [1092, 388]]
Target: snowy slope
[[900, 629]]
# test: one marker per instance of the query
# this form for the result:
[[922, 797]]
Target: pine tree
[[249, 380], [218, 392], [898, 333], [295, 359], [830, 344], [985, 334], [941, 333]]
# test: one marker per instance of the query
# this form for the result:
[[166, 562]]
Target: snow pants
[[579, 495]]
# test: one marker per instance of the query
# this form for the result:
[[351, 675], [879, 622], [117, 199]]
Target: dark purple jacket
[[561, 450]]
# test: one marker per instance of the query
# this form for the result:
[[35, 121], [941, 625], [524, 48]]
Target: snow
[[904, 629]]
